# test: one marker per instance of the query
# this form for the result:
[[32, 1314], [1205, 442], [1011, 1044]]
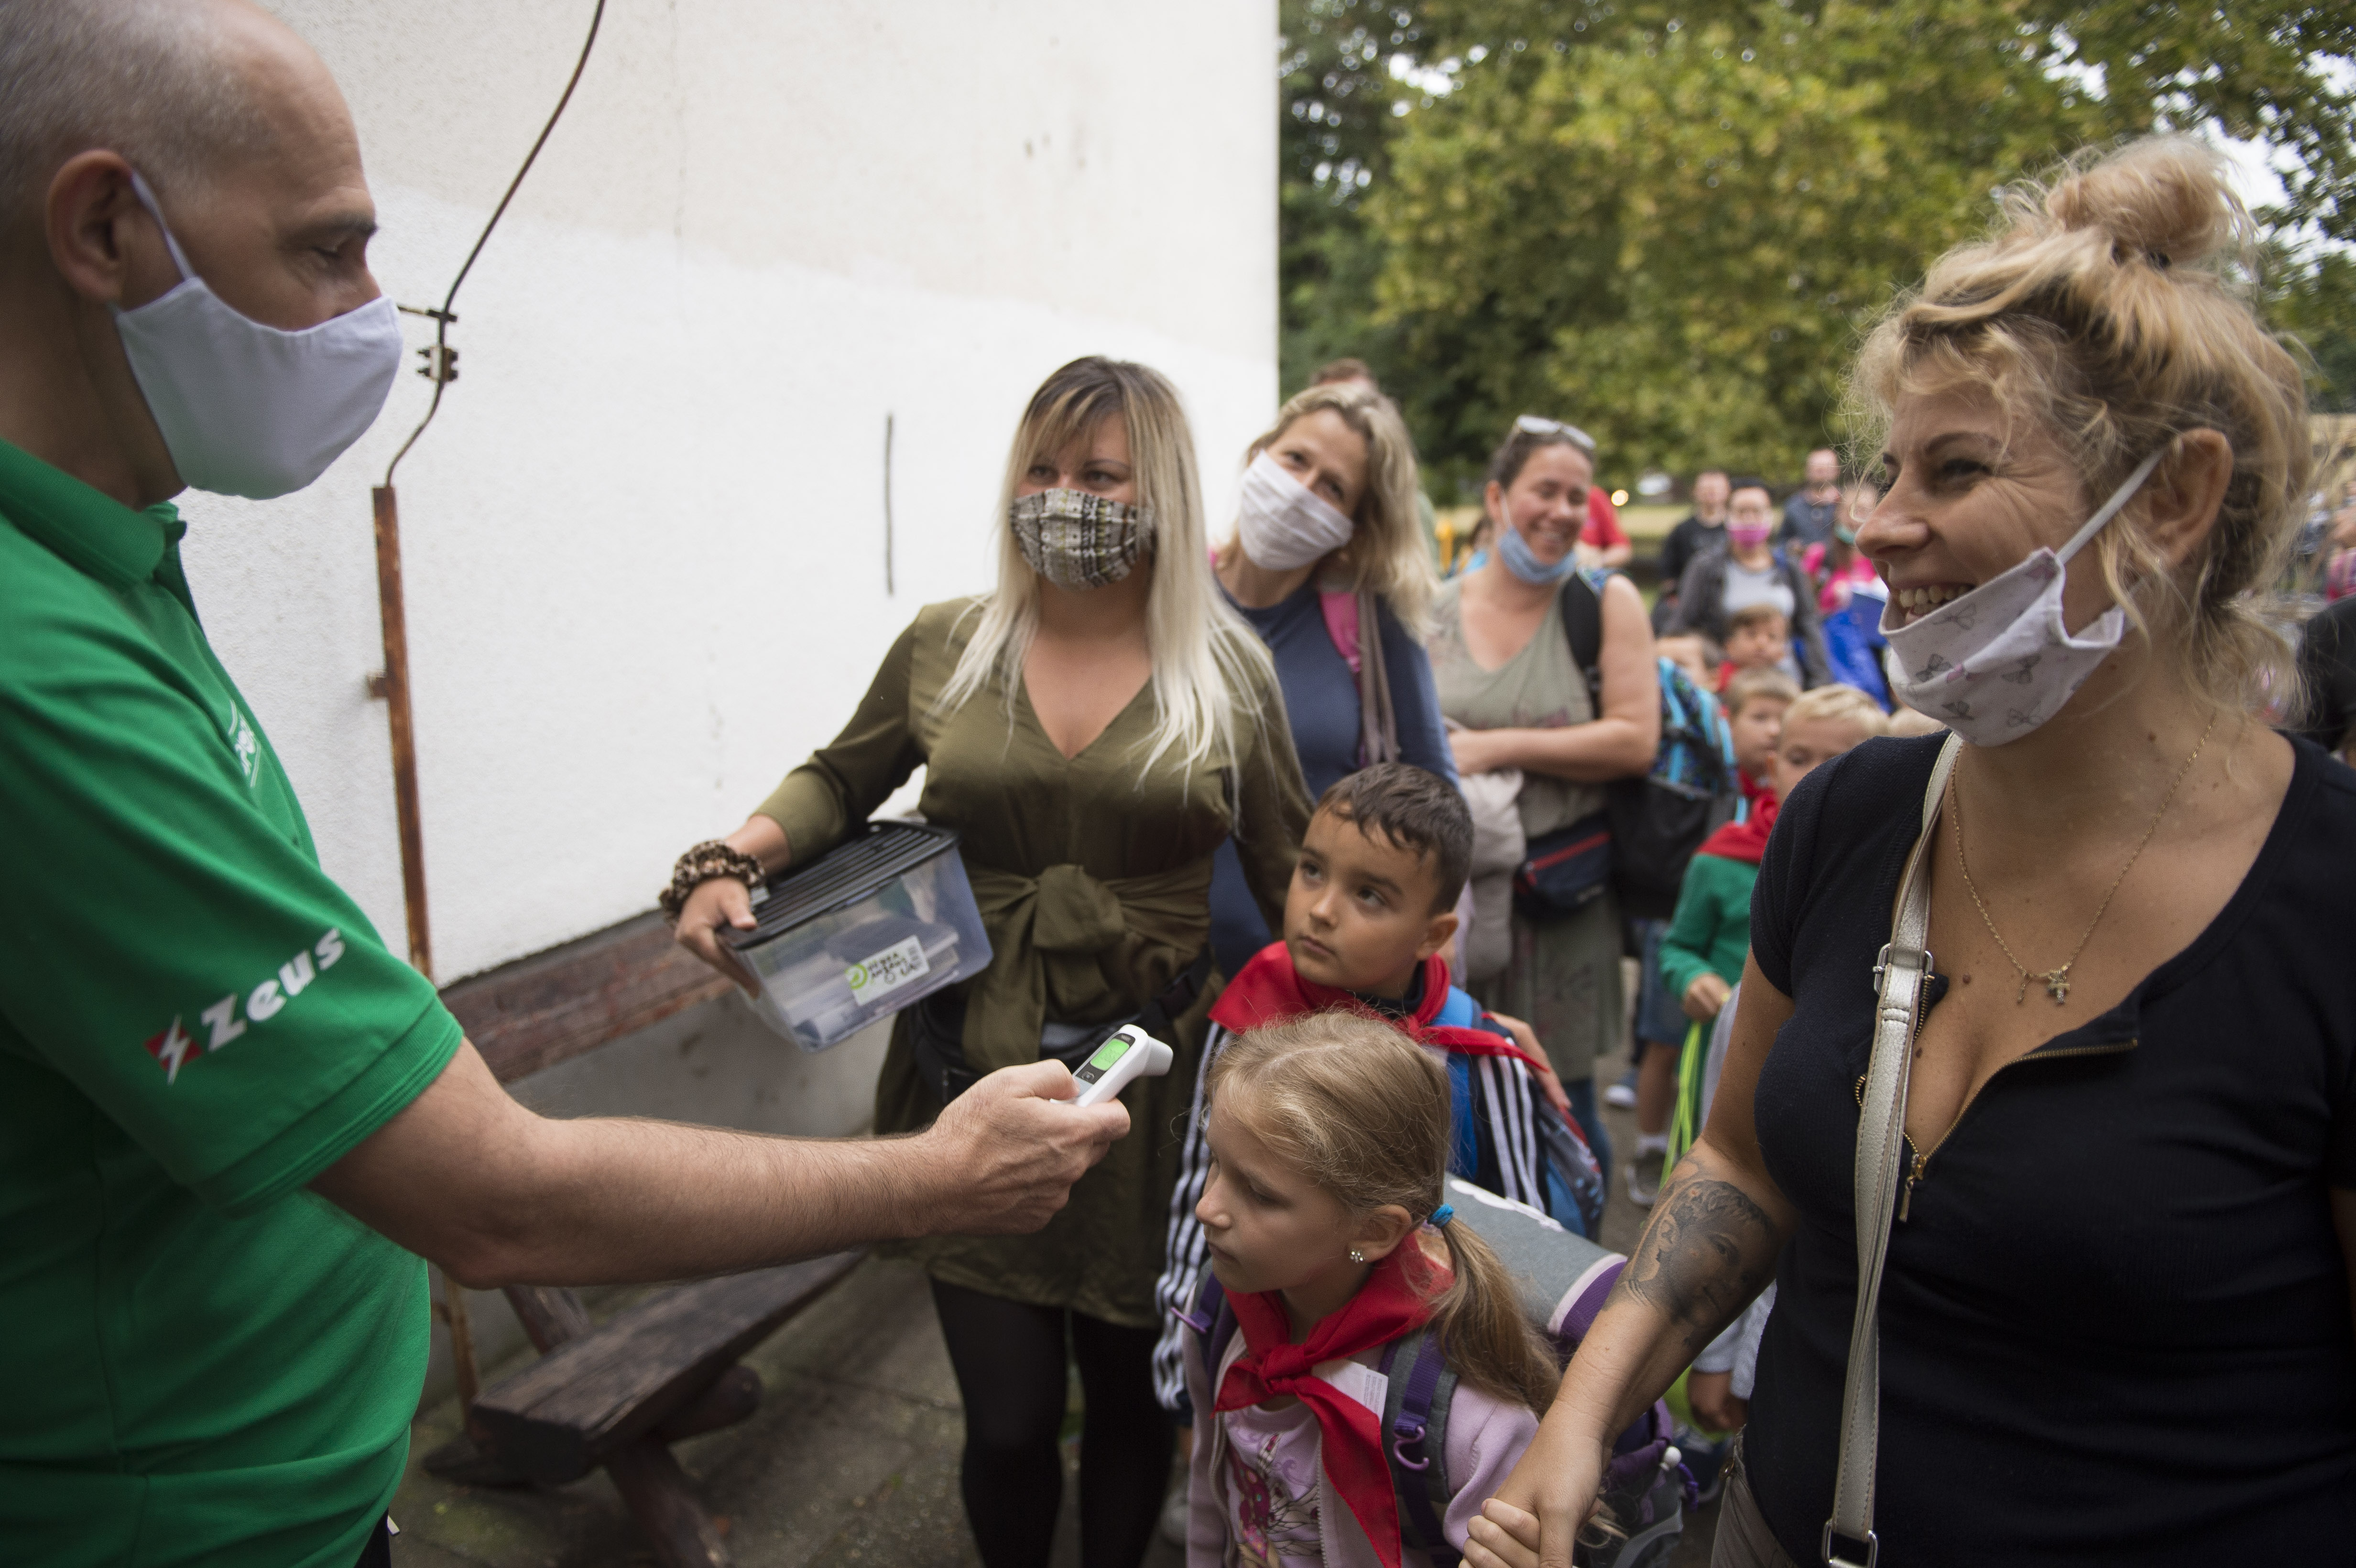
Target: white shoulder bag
[[1903, 966]]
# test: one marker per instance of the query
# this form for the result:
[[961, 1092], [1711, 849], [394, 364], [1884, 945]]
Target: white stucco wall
[[644, 542]]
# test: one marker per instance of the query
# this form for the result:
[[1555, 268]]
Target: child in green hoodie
[[1709, 936]]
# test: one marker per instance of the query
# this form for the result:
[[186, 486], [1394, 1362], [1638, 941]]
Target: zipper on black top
[[1918, 1164]]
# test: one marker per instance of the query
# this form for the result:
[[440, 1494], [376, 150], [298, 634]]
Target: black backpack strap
[[1582, 625], [1415, 1426]]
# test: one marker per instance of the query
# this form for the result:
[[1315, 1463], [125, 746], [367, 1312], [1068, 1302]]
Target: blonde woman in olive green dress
[[1093, 729]]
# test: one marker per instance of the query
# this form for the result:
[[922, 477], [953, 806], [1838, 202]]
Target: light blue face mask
[[1523, 563]]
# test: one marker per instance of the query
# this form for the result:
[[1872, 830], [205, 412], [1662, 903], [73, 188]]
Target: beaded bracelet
[[700, 865]]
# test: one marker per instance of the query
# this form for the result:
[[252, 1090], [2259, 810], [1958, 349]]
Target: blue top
[[1321, 696]]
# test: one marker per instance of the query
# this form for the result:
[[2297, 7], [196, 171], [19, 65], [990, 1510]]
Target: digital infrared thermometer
[[1128, 1052]]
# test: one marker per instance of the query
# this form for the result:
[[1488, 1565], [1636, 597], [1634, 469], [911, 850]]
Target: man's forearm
[[497, 1195], [616, 1199]]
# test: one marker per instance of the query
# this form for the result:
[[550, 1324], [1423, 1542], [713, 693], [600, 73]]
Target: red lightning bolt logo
[[170, 1049]]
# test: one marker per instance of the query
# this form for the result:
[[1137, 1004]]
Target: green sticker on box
[[1107, 1054]]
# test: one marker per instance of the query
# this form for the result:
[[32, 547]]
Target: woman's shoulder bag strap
[[1899, 975], [1353, 621]]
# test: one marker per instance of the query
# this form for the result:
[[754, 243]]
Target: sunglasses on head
[[1533, 424]]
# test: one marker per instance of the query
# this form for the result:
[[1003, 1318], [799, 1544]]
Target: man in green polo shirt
[[230, 1121]]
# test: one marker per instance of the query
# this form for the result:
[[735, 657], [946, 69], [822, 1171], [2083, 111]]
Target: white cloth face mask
[[1994, 663], [250, 409], [1282, 523]]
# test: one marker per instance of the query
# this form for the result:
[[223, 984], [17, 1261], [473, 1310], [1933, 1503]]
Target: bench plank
[[553, 1006], [586, 1398]]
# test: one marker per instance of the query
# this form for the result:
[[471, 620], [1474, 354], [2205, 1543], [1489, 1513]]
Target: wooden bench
[[617, 1395]]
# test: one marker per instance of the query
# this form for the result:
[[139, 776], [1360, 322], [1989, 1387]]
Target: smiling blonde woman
[[2113, 1319]]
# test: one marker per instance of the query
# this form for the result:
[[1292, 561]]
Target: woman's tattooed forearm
[[1706, 1252]]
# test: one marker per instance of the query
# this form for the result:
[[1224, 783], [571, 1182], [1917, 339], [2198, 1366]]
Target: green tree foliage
[[2314, 299], [1669, 221], [1335, 125]]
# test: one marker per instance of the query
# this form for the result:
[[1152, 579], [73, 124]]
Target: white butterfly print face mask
[[1997, 662]]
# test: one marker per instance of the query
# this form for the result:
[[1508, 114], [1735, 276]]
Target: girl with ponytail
[[1325, 1225]]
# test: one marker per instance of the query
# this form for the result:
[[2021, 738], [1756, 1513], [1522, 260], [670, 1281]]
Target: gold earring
[[1356, 1257]]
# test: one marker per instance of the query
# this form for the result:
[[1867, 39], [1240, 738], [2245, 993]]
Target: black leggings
[[1010, 1362]]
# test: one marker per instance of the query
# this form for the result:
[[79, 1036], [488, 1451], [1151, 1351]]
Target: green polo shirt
[[200, 1362]]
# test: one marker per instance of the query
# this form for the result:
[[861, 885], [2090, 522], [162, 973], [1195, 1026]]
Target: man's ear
[[88, 216], [1380, 1232], [2182, 496], [1437, 933]]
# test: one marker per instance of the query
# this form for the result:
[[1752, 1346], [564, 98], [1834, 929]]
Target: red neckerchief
[[1746, 840], [1269, 990], [1393, 1301]]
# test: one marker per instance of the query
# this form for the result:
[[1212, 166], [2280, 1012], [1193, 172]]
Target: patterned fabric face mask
[[1076, 539], [1994, 663]]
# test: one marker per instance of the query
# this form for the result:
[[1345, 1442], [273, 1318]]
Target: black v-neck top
[[2114, 1325]]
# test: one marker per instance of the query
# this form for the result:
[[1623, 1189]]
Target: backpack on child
[[1651, 826], [1562, 1281]]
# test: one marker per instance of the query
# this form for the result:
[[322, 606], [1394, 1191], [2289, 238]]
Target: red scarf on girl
[[1746, 840], [1269, 990], [1395, 1300]]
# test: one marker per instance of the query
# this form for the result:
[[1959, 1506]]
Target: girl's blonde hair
[[1206, 660], [1841, 704], [1388, 553], [1363, 1112], [2112, 306]]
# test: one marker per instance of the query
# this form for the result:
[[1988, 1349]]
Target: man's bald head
[[180, 88]]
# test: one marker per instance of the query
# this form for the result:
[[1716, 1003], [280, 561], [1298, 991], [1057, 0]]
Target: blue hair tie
[[1440, 1216]]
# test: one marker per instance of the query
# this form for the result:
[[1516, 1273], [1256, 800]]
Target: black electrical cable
[[439, 365]]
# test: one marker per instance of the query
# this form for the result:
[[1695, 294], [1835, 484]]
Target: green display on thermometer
[[1129, 1054]]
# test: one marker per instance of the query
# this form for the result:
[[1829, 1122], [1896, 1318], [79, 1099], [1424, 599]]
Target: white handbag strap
[[1904, 965]]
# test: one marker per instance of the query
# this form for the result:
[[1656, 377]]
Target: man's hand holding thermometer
[[1128, 1053]]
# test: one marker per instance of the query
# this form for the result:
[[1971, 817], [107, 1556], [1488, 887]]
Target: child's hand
[[1501, 1536], [1711, 1394], [1705, 998], [1549, 1085]]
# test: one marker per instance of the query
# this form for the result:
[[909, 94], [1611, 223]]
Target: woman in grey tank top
[[1504, 666]]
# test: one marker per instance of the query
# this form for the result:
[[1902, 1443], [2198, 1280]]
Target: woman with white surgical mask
[[1330, 566], [2052, 1157]]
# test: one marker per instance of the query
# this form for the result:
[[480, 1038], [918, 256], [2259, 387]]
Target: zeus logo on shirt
[[219, 1024]]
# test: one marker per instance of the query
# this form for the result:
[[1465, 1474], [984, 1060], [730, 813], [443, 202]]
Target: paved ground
[[852, 1459]]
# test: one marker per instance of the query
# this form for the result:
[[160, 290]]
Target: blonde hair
[[1206, 660], [1841, 704], [1756, 686], [1363, 1112], [2112, 304], [1388, 554]]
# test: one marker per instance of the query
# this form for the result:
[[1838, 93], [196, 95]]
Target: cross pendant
[[2057, 983]]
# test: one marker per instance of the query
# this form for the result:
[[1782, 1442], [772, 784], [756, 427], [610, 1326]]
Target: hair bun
[[2164, 199]]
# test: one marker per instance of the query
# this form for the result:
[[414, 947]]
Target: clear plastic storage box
[[884, 919]]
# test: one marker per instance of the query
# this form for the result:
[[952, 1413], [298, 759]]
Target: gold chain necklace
[[2057, 981]]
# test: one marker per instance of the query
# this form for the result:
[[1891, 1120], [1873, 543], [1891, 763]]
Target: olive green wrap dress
[[1092, 874]]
